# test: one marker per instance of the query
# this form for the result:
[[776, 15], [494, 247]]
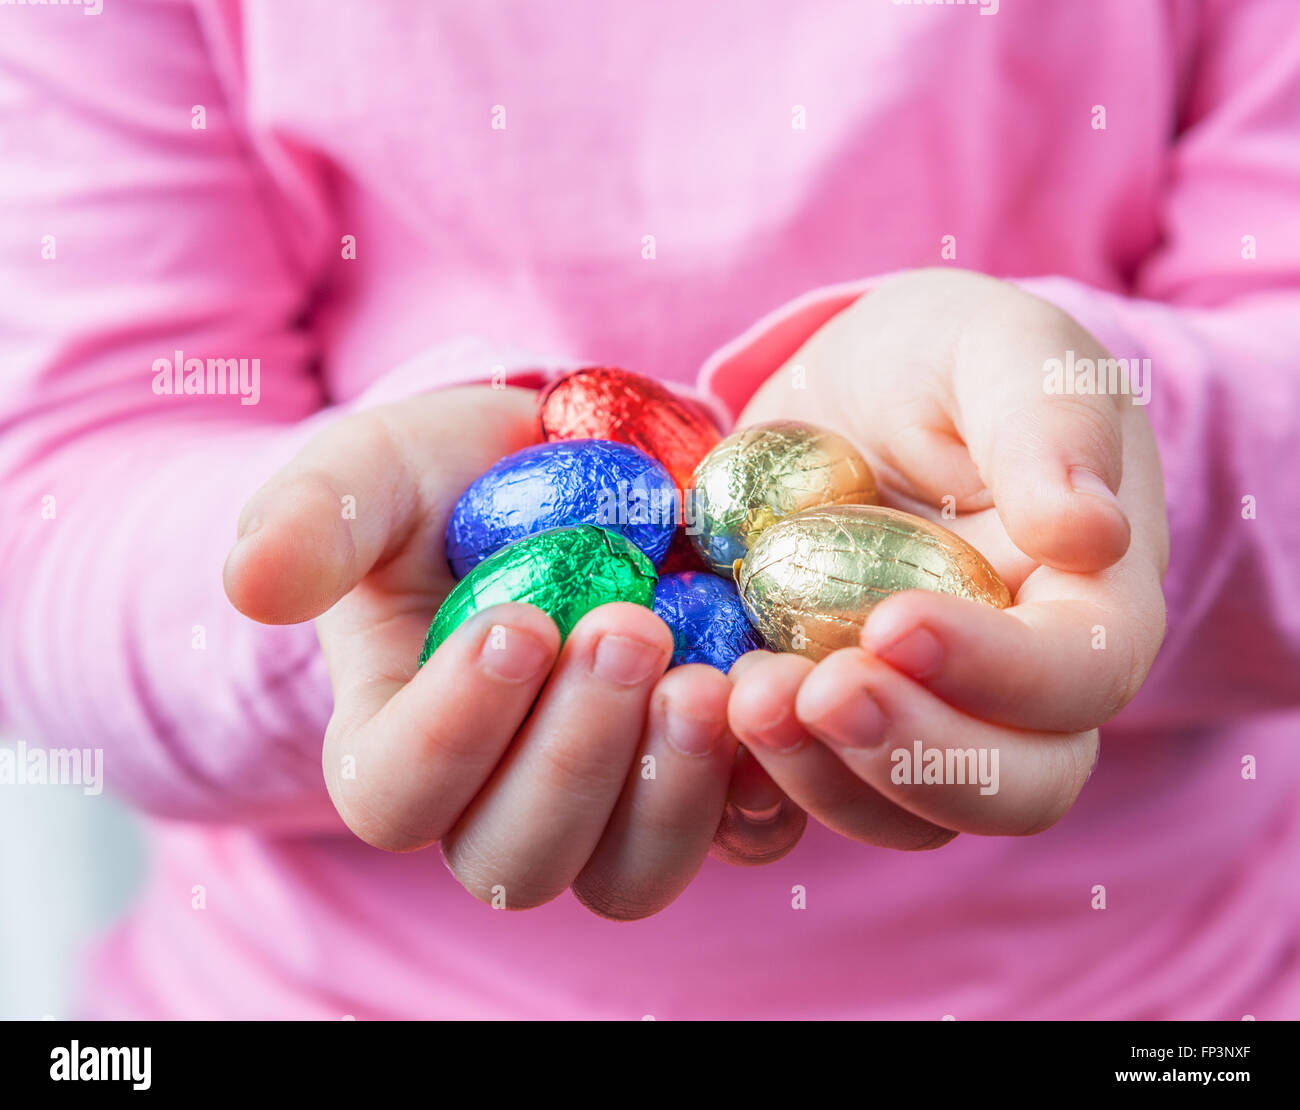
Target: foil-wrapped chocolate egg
[[764, 473], [550, 485], [602, 402], [566, 572], [708, 622], [682, 556], [809, 581]]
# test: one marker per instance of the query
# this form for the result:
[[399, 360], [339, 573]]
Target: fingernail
[[856, 722], [785, 734], [1083, 480], [624, 661], [917, 653], [690, 735], [761, 816], [513, 654]]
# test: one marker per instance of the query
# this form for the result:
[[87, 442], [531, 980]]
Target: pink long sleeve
[[128, 236]]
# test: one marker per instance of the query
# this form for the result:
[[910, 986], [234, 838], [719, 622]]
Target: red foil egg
[[602, 402], [682, 555]]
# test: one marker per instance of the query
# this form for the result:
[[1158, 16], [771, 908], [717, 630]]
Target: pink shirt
[[1172, 233]]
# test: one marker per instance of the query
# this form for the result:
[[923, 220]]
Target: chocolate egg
[[682, 556], [809, 581], [565, 572], [708, 622], [550, 485], [762, 474], [601, 402]]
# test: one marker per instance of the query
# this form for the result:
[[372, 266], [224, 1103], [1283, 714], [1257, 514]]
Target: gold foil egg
[[763, 474], [809, 581]]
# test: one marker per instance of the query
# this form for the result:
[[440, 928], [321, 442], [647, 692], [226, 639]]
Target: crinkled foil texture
[[565, 571], [602, 402], [765, 473], [708, 622], [809, 582], [552, 485]]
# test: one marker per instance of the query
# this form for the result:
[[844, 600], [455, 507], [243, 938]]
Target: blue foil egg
[[552, 485], [706, 617]]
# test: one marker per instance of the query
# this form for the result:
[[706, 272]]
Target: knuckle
[[1031, 318], [575, 768], [1094, 423], [378, 435], [365, 435], [1025, 431], [667, 826], [444, 747]]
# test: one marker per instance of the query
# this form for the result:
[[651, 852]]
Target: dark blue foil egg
[[708, 622], [552, 485]]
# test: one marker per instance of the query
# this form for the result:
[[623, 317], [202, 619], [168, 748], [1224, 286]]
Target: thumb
[[298, 548], [1054, 463], [372, 490]]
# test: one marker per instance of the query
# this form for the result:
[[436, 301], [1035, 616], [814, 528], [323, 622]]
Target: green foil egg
[[565, 572]]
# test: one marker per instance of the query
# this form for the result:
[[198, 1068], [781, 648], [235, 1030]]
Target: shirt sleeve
[[1216, 310], [131, 240]]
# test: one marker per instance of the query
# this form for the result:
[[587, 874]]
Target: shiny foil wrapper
[[809, 582], [765, 473], [601, 402], [708, 622], [551, 485], [566, 572], [682, 556]]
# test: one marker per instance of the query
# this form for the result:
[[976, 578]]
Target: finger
[[533, 827], [664, 821], [402, 759], [968, 775], [747, 841], [1053, 461], [763, 715], [298, 549], [1061, 665], [759, 823]]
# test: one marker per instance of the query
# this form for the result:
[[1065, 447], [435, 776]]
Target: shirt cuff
[[730, 377]]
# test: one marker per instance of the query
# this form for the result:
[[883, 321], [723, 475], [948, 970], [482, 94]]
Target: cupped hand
[[537, 767], [939, 377]]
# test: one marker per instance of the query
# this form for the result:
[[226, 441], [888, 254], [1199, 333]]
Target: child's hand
[[526, 800], [939, 377]]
